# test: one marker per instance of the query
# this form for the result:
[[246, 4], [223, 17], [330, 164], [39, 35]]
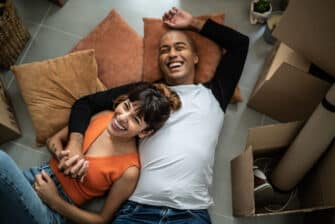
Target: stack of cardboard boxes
[[289, 90], [8, 126]]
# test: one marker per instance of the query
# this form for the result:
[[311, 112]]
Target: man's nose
[[172, 52]]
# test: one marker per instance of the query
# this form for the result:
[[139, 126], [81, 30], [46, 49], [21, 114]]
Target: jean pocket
[[201, 216], [127, 209]]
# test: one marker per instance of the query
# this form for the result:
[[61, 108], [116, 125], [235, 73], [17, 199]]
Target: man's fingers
[[71, 161], [65, 163], [83, 170], [74, 169], [63, 154]]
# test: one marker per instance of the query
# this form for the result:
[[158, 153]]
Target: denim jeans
[[19, 203], [132, 212]]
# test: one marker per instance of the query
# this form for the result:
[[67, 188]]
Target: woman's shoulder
[[102, 114]]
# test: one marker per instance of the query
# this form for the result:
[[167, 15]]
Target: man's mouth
[[116, 125], [174, 65]]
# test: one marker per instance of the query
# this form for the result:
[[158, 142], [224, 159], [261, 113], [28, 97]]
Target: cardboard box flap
[[307, 26], [285, 54], [243, 184], [271, 137], [289, 88]]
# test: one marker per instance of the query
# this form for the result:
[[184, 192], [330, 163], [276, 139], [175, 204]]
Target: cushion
[[209, 53], [50, 87], [118, 51]]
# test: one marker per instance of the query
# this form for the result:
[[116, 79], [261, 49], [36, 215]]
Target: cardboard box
[[285, 90], [272, 140], [307, 26], [8, 126]]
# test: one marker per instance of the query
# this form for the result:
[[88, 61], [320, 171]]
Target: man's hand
[[180, 19]]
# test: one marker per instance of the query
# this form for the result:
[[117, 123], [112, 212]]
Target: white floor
[[55, 31]]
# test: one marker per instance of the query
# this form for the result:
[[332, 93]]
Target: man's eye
[[179, 48], [163, 51]]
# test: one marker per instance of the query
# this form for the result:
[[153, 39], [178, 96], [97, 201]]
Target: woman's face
[[125, 122]]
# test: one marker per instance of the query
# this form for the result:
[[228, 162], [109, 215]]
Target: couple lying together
[[175, 128]]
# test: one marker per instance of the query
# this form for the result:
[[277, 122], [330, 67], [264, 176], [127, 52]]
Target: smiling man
[[177, 161]]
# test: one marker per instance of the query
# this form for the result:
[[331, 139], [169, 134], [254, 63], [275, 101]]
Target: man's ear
[[145, 133], [195, 59]]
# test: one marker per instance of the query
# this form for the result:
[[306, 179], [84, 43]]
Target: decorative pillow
[[118, 51], [50, 87], [208, 52]]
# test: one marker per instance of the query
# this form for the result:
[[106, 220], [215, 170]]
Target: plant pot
[[256, 17], [271, 24]]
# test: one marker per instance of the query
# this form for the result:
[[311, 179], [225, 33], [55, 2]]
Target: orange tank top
[[102, 171]]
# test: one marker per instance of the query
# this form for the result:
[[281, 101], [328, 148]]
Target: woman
[[111, 150]]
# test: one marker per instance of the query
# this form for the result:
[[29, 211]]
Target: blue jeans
[[132, 212], [19, 203]]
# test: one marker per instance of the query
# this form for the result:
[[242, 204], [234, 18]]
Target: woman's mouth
[[117, 126]]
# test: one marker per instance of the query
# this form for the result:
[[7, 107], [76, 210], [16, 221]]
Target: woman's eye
[[138, 120], [126, 106]]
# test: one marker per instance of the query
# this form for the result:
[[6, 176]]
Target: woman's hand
[[180, 19], [46, 188], [75, 164], [55, 146]]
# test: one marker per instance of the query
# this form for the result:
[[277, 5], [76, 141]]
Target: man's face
[[177, 59]]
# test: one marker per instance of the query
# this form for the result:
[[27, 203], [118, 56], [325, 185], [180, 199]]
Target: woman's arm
[[119, 192], [55, 143]]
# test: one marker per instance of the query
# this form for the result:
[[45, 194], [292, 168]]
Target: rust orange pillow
[[209, 53], [50, 87], [118, 50]]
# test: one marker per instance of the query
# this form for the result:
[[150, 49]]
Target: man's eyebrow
[[180, 43], [162, 46]]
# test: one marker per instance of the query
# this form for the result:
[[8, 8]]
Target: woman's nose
[[123, 117]]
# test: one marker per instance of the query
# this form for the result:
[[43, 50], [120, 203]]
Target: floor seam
[[30, 44]]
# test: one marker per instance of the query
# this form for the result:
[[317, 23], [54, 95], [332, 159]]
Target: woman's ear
[[145, 133]]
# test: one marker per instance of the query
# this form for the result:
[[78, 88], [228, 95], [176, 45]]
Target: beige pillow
[[50, 87], [118, 51]]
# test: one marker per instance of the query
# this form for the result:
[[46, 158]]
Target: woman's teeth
[[119, 126]]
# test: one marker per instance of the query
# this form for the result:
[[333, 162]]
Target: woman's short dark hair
[[154, 103]]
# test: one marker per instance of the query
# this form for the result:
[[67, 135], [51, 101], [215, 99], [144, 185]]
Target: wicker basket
[[13, 35]]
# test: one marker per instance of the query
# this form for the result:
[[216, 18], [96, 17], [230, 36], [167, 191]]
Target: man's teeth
[[119, 125], [175, 64]]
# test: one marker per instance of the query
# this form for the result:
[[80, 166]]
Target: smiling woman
[[109, 150]]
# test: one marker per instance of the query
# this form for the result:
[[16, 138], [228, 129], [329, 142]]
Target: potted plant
[[260, 10]]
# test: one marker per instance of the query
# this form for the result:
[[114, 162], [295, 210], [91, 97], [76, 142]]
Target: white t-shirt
[[177, 161]]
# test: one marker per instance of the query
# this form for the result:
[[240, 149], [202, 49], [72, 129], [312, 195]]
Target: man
[[177, 161]]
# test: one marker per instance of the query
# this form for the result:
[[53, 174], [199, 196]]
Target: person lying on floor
[[177, 162], [46, 195]]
